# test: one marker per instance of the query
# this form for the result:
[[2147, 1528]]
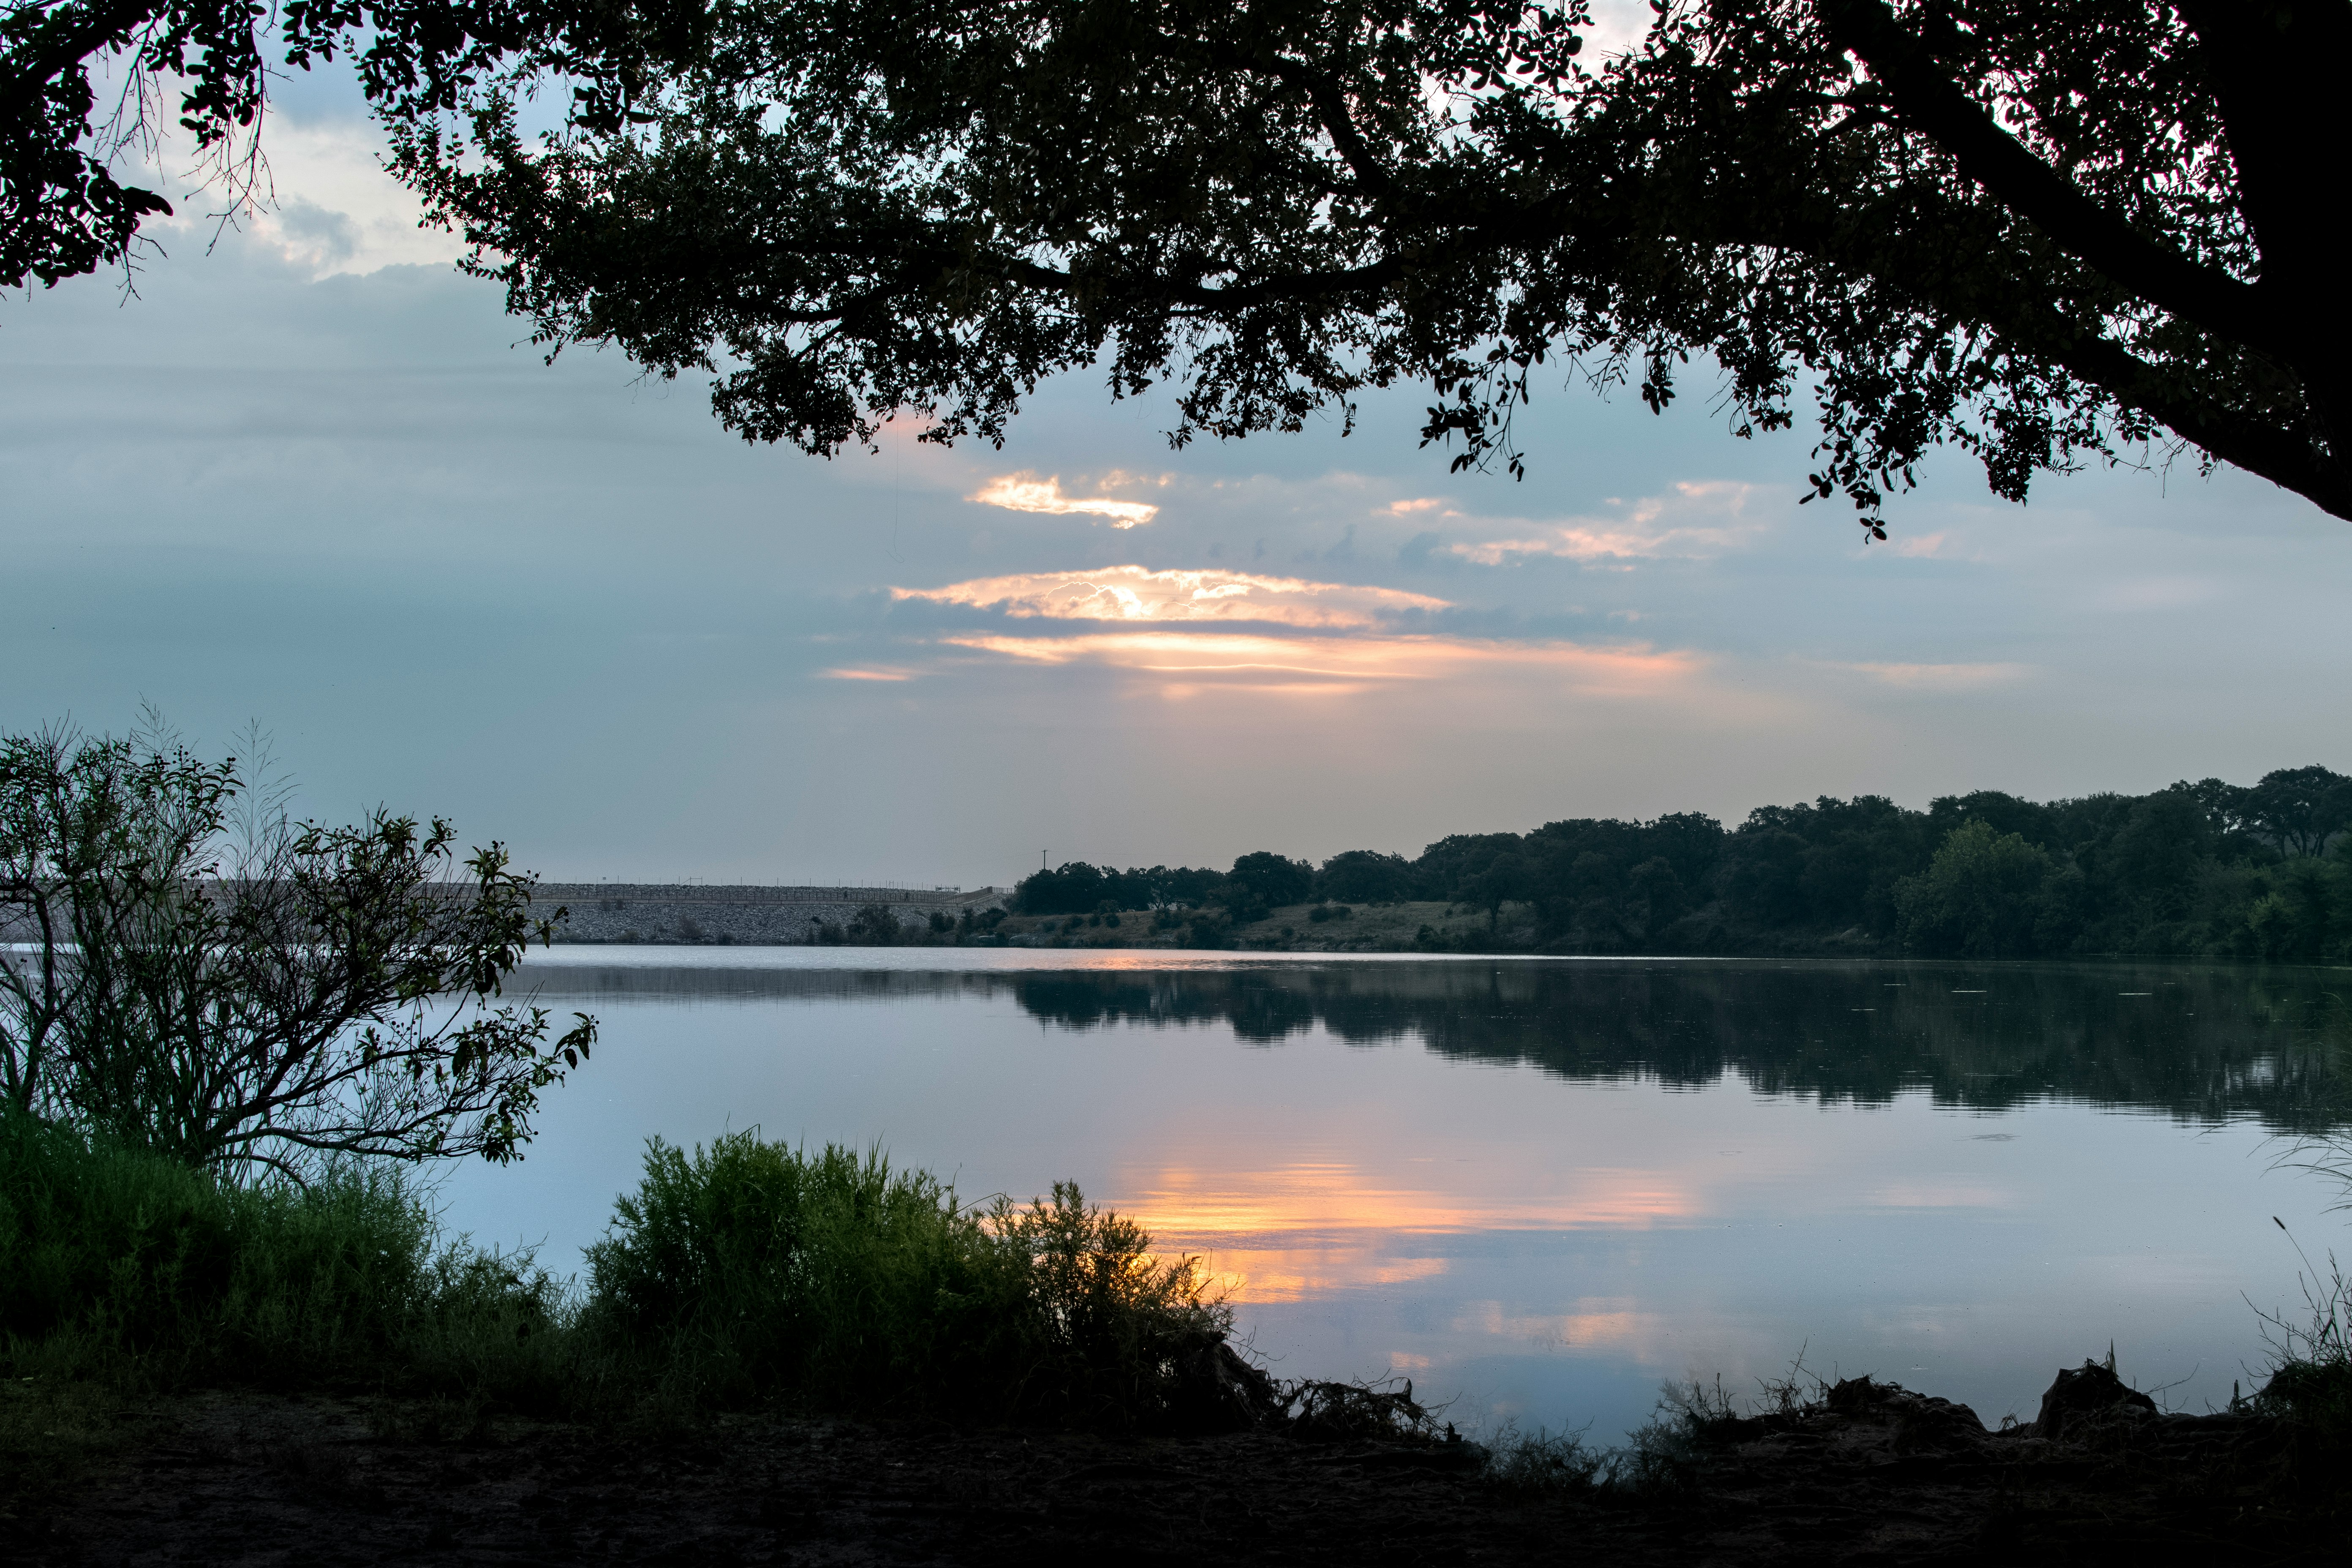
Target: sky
[[311, 476]]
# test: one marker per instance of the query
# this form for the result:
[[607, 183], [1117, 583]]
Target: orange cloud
[[1027, 492], [1138, 594]]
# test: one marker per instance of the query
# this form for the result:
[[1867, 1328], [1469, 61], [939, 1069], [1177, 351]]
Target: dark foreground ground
[[1867, 1474]]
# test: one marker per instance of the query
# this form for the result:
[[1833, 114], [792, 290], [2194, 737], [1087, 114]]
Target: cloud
[[1939, 677], [1025, 491], [1648, 531], [852, 674], [1139, 593], [327, 207]]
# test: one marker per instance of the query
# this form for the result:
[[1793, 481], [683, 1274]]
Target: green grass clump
[[125, 1275], [749, 1270]]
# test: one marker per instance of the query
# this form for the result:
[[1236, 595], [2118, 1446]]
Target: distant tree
[[1447, 868], [1655, 897], [2313, 899], [1170, 887], [2224, 805], [1690, 841], [304, 994], [2002, 812], [2269, 930], [1506, 878], [2299, 809], [1979, 898], [1365, 877], [1764, 878], [1264, 880], [1072, 889], [2152, 858]]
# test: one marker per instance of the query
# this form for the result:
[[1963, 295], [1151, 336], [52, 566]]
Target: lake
[[1539, 1187]]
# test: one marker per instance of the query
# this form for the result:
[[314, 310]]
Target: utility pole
[[1040, 861]]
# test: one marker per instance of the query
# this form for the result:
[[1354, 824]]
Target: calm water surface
[[1541, 1187]]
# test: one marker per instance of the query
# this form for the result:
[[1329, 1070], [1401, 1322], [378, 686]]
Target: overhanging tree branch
[[1928, 99]]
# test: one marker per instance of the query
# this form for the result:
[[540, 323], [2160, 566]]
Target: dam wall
[[695, 912]]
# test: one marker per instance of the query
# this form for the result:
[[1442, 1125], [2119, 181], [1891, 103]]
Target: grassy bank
[[738, 1274]]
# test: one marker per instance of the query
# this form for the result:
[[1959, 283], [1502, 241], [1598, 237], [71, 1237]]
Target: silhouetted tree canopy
[[2045, 234], [84, 81]]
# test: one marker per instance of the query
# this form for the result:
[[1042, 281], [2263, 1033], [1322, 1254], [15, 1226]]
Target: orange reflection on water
[[1588, 1322], [1309, 1227], [1294, 1273]]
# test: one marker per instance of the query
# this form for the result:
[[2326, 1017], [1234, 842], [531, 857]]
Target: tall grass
[[2310, 1386], [133, 1260]]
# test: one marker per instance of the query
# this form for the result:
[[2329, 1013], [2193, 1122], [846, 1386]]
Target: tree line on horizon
[[2210, 869]]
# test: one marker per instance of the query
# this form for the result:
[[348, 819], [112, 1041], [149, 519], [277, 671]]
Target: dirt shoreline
[[1869, 1473]]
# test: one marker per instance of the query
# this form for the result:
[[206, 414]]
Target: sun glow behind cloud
[[1335, 665], [1192, 630], [1138, 593]]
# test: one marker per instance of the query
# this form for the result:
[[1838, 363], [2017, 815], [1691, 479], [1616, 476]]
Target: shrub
[[753, 1270], [874, 925], [1105, 1327]]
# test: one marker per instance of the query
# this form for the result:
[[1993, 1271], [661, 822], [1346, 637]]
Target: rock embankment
[[695, 912]]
